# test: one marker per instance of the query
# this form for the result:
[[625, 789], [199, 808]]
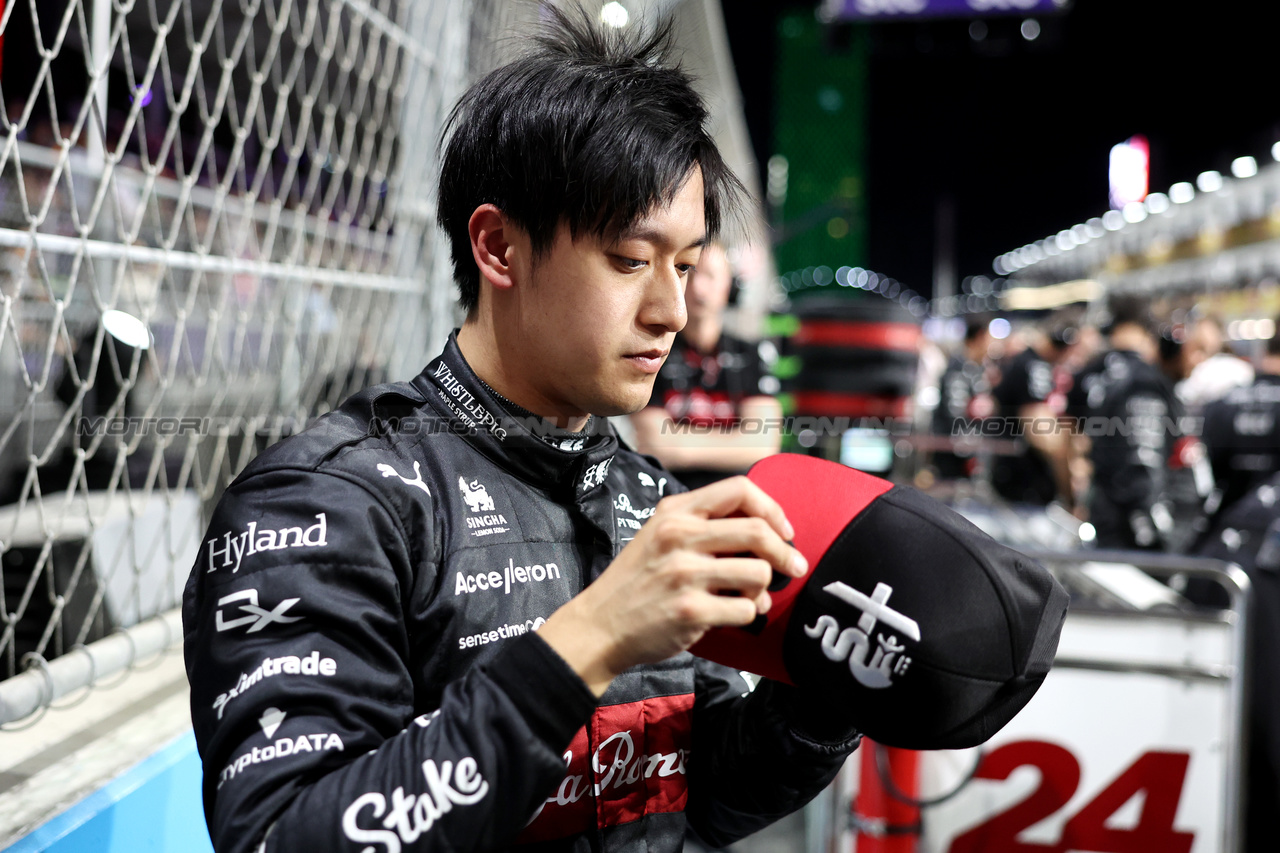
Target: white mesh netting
[[250, 183]]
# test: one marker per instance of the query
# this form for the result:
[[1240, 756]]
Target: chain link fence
[[216, 222]]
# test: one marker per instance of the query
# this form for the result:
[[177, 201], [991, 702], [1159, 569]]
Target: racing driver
[[453, 614]]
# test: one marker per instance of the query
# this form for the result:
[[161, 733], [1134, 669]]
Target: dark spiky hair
[[593, 127]]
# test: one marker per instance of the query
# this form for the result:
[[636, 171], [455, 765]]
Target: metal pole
[[40, 686], [100, 61], [172, 259], [944, 248]]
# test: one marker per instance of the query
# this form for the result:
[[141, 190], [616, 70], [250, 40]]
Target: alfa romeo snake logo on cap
[[887, 658], [903, 593]]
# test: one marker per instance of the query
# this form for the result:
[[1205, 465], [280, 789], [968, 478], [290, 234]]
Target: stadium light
[[614, 15], [1128, 171], [1181, 192], [1209, 182], [1244, 167]]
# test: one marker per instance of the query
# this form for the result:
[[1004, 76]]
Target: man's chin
[[613, 410], [627, 403]]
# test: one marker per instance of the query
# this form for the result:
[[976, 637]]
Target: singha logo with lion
[[476, 496]]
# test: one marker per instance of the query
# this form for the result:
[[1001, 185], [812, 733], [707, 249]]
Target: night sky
[[1017, 134]]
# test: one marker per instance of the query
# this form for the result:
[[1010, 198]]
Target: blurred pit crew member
[[1084, 359], [1189, 484], [1242, 437], [1247, 533], [1242, 432], [1213, 370], [421, 625], [965, 396], [709, 385], [1131, 417], [1041, 472]]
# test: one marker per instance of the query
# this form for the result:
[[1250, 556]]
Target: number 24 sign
[[1159, 775]]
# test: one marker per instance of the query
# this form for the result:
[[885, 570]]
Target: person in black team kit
[[1131, 417], [709, 384], [1040, 473], [1242, 436], [1242, 432], [421, 625], [965, 396], [1248, 534]]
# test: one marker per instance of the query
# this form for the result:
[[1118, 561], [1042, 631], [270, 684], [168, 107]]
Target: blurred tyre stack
[[858, 361]]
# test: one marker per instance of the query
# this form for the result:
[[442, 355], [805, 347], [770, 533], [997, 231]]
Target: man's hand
[[680, 576]]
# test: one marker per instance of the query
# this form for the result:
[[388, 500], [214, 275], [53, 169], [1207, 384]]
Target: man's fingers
[[754, 535], [739, 495], [743, 575], [725, 610]]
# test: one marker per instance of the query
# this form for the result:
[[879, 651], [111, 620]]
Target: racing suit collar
[[531, 448]]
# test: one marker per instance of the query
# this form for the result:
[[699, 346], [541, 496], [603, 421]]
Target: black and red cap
[[930, 632]]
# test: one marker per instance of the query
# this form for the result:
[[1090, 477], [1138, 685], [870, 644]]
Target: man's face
[[596, 318], [709, 286], [1206, 341]]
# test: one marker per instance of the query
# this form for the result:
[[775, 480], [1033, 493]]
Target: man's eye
[[686, 269], [631, 263]]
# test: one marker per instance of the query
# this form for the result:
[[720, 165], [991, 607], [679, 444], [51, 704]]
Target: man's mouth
[[648, 361]]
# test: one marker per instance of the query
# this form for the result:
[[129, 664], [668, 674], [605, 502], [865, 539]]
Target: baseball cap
[[930, 632]]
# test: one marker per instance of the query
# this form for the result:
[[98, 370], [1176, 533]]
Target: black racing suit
[[1248, 534], [1242, 434], [1133, 427], [1087, 388], [962, 387], [1027, 477], [365, 673]]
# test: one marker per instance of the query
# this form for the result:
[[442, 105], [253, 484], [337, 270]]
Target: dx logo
[[256, 617]]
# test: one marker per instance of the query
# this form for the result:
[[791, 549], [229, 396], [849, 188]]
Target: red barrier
[[883, 822], [833, 404], [904, 337]]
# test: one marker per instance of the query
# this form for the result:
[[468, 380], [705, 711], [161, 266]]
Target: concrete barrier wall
[[154, 807]]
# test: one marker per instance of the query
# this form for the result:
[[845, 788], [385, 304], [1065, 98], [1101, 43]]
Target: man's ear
[[491, 234]]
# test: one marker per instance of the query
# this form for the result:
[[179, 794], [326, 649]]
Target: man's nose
[[665, 303]]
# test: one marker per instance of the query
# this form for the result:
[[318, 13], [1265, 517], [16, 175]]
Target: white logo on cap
[[854, 643]]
